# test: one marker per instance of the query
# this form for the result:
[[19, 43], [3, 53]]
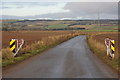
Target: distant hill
[[59, 24]]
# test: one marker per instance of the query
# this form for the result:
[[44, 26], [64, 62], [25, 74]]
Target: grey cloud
[[93, 7], [86, 10]]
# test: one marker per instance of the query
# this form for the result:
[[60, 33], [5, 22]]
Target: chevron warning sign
[[107, 43], [16, 45], [13, 45], [112, 47], [110, 44]]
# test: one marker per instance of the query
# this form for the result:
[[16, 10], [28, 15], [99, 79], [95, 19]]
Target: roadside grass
[[33, 49], [100, 50], [23, 56], [36, 48]]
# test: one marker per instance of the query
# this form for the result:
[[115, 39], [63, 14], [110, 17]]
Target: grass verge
[[9, 59], [100, 50]]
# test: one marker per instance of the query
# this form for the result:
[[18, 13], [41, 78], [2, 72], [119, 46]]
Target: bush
[[7, 54]]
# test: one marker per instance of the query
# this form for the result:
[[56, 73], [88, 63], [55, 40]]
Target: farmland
[[59, 40], [28, 36], [59, 24], [40, 35]]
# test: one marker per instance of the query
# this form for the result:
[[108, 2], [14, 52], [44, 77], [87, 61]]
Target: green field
[[105, 28], [57, 26], [106, 25]]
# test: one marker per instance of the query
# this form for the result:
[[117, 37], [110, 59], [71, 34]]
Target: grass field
[[103, 27], [57, 26]]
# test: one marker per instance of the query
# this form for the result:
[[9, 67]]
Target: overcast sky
[[59, 10]]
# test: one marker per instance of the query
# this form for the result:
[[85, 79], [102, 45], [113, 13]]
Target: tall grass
[[100, 50], [34, 48]]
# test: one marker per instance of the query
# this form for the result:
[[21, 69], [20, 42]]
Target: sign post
[[112, 46], [13, 45], [107, 43], [16, 45]]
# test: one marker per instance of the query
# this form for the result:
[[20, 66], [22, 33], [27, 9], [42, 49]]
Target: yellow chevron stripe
[[12, 48], [12, 41], [113, 48], [113, 41]]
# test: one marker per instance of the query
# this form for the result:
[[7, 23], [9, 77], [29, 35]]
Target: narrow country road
[[71, 59]]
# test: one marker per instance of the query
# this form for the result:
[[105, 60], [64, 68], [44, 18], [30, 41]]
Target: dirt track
[[71, 59]]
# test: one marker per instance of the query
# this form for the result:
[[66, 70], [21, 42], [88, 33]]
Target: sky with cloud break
[[59, 10]]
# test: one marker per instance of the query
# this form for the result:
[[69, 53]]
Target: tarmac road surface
[[71, 59]]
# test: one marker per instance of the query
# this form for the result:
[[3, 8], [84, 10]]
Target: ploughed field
[[28, 36], [111, 35], [33, 36]]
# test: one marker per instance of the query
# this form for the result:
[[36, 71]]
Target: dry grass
[[34, 48], [40, 41], [29, 36], [99, 48], [7, 54]]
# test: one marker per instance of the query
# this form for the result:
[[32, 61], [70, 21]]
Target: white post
[[19, 47]]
